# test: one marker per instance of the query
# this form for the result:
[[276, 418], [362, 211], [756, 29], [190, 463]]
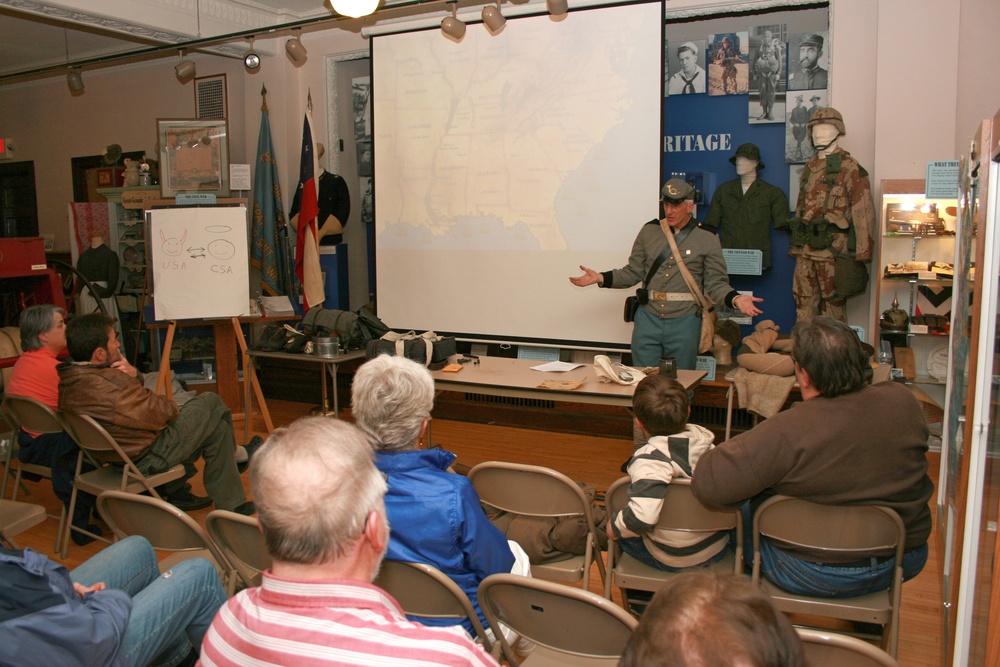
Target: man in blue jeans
[[846, 443], [115, 609]]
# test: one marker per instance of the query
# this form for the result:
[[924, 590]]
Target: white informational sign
[[199, 258], [707, 364], [239, 177], [942, 179], [743, 262]]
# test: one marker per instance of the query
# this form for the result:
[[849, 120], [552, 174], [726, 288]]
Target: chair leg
[[68, 524]]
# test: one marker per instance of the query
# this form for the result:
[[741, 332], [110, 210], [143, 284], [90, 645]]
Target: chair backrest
[[166, 527], [529, 490], [32, 415], [827, 649], [240, 539], [845, 532], [681, 510], [16, 517], [424, 591], [560, 618], [91, 436]]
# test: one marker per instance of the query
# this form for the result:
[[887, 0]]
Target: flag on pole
[[268, 214], [305, 211]]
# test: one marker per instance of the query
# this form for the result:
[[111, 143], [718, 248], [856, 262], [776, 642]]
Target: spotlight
[[74, 80], [557, 7], [494, 20], [451, 25], [295, 50], [354, 8], [250, 59], [185, 69]]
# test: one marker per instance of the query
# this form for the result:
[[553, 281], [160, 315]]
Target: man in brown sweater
[[846, 443], [154, 432]]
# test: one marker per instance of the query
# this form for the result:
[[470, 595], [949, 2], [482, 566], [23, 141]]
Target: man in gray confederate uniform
[[834, 217], [668, 323]]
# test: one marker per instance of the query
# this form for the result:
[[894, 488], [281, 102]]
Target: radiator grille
[[508, 401]]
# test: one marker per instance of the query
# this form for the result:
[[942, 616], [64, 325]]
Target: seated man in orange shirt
[[43, 339]]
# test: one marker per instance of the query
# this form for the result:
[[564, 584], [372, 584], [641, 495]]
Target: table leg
[[729, 408], [324, 408]]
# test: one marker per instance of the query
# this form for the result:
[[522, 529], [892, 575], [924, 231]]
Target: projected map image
[[521, 140]]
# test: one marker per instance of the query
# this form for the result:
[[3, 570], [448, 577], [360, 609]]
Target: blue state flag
[[268, 253]]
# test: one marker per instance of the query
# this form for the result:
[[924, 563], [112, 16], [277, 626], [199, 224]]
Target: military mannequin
[[743, 209], [834, 218], [334, 203]]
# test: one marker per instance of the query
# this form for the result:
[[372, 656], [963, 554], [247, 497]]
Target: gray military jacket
[[703, 256]]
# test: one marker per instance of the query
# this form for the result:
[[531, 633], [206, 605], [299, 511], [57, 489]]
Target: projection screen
[[503, 162]]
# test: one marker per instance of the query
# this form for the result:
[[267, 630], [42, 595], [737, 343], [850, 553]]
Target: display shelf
[[917, 233], [129, 236]]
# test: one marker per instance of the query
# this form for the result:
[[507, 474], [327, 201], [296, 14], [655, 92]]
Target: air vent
[[511, 401], [210, 96]]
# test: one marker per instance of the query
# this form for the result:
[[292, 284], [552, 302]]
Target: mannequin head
[[824, 137], [745, 166], [96, 241]]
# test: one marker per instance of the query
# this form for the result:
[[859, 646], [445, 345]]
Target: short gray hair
[[34, 322], [314, 484], [390, 399]]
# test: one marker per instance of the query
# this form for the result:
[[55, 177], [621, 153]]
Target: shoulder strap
[[688, 278]]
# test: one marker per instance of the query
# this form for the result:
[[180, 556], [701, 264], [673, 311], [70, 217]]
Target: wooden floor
[[589, 459]]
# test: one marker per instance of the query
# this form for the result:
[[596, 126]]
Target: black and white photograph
[[802, 104], [794, 176], [367, 200], [809, 68], [365, 158], [361, 89], [728, 63], [685, 74], [767, 74]]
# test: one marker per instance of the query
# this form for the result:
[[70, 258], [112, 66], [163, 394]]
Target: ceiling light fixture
[[494, 20], [251, 60], [354, 8], [451, 25], [74, 80], [295, 50], [557, 7], [185, 69]]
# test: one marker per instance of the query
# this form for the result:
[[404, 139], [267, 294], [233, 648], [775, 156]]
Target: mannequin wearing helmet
[[833, 224]]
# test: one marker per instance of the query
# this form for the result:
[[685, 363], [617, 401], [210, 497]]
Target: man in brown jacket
[[152, 430]]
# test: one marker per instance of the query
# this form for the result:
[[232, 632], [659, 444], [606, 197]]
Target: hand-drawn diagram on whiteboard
[[199, 258]]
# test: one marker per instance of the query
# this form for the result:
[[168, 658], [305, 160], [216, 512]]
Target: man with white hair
[[319, 500]]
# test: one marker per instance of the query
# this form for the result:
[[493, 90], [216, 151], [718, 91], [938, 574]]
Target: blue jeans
[[170, 612], [636, 548], [653, 337]]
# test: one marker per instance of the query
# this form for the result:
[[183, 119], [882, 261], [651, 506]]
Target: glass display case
[[915, 270]]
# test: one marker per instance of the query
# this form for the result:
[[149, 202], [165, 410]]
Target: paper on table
[[556, 367]]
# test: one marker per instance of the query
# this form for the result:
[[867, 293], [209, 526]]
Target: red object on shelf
[[22, 257]]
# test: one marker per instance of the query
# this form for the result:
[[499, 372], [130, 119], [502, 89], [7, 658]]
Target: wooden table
[[328, 365], [501, 376]]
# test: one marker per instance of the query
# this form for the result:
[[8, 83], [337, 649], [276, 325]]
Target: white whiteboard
[[199, 259]]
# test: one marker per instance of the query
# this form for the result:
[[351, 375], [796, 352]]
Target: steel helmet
[[828, 115]]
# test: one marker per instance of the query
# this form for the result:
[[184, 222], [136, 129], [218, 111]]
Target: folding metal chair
[[239, 538]]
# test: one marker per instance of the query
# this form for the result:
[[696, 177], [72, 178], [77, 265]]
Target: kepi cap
[[749, 151], [676, 190], [812, 39]]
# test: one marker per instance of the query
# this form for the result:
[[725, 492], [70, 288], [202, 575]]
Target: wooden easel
[[164, 387]]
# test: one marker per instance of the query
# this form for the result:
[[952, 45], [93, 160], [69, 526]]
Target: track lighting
[[185, 69], [354, 8], [557, 7], [451, 25], [251, 60], [295, 50], [74, 80], [494, 20]]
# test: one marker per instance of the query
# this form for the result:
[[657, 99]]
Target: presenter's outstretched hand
[[589, 277], [747, 304]]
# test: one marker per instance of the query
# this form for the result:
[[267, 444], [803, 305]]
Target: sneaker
[[251, 448], [246, 509], [187, 501]]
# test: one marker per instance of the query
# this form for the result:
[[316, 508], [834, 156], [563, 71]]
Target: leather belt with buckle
[[670, 296]]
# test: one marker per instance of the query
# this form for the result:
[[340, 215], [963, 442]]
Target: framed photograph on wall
[[194, 156]]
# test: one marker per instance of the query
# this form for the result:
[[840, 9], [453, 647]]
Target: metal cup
[[668, 367]]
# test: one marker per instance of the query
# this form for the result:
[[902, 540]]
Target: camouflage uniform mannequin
[[834, 216]]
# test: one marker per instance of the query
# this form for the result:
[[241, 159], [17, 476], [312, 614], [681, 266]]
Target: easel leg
[[163, 384], [250, 375]]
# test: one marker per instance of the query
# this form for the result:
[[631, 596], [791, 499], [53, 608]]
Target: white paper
[[556, 367]]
